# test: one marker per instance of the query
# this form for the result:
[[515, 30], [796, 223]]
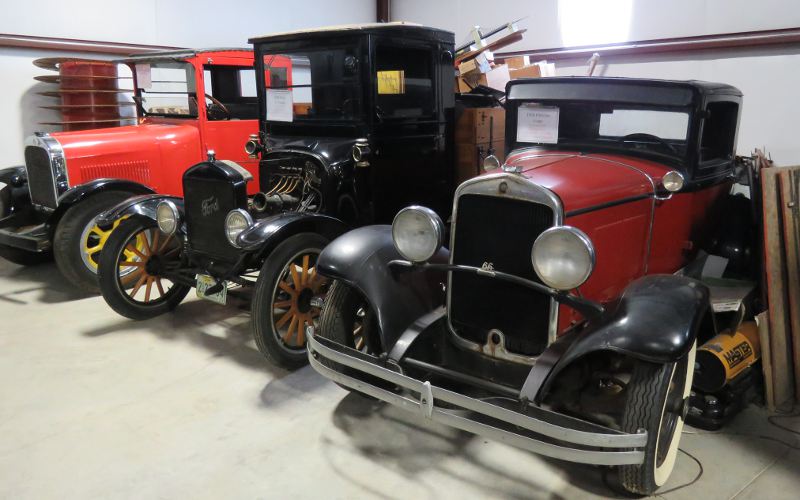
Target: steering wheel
[[217, 103], [643, 135]]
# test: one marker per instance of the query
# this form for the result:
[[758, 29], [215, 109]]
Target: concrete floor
[[95, 406]]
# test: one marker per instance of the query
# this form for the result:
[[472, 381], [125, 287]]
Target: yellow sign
[[391, 82]]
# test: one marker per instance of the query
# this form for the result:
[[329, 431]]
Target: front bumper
[[543, 431]]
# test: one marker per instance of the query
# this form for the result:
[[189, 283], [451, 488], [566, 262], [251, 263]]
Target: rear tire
[[24, 257], [655, 402], [283, 287], [70, 243]]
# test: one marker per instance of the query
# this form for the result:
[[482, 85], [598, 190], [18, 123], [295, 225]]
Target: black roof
[[620, 89], [400, 29]]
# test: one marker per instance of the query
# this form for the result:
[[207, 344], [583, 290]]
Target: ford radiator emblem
[[209, 206]]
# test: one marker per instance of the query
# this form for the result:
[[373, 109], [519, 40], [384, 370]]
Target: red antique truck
[[48, 207]]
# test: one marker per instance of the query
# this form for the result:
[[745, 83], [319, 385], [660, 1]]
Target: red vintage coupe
[[562, 318]]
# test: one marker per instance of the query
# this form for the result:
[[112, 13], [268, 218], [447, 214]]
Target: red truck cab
[[188, 102]]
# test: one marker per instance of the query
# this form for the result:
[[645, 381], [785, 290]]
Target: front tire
[[281, 307], [23, 257], [138, 244], [78, 241], [656, 402]]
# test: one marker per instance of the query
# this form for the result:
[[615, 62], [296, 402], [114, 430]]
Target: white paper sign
[[279, 105], [143, 76], [537, 124]]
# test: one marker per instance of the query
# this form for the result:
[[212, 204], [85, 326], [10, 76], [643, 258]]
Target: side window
[[404, 82], [719, 131], [235, 88]]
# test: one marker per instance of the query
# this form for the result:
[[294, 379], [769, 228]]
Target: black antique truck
[[355, 123]]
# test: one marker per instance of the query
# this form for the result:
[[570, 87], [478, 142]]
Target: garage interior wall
[[768, 76], [174, 23]]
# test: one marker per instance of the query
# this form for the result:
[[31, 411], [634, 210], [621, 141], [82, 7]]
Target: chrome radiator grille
[[499, 232], [41, 182]]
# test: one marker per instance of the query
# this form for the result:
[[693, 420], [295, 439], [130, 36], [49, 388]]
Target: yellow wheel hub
[[95, 239]]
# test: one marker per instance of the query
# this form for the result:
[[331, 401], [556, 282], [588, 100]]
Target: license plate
[[204, 282]]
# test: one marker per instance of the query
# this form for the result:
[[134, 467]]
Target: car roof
[[698, 86], [181, 53], [396, 27]]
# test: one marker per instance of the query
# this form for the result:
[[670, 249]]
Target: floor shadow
[[44, 278], [225, 331], [296, 386], [403, 442]]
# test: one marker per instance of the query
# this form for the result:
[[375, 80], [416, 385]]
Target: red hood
[[136, 152], [587, 180]]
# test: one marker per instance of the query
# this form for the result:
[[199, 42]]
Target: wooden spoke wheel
[[132, 270], [292, 299], [284, 303]]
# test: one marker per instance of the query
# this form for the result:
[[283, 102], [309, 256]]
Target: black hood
[[332, 151]]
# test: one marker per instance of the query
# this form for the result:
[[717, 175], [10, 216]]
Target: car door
[[408, 166], [227, 130]]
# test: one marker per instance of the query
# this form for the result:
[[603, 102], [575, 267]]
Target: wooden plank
[[762, 320], [790, 195], [780, 341]]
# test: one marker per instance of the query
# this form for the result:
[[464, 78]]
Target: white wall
[[181, 23], [768, 77]]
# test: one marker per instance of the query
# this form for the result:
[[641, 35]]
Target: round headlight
[[251, 147], [167, 217], [417, 233], [672, 181], [563, 257], [235, 222], [491, 162], [356, 153]]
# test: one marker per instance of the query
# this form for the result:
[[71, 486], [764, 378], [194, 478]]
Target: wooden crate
[[790, 198]]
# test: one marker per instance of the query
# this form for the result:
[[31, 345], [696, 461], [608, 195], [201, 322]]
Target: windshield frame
[[305, 126], [192, 78], [661, 154]]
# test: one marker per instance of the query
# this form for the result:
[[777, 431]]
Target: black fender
[[361, 259], [657, 319], [15, 198], [80, 192], [267, 233], [144, 205]]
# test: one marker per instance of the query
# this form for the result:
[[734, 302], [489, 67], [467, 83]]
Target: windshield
[[607, 125], [312, 85], [166, 88]]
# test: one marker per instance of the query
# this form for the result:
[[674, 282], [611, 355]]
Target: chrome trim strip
[[426, 406], [519, 188], [58, 163]]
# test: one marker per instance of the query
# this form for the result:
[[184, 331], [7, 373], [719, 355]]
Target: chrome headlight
[[235, 222], [417, 233], [563, 257], [672, 181], [167, 217]]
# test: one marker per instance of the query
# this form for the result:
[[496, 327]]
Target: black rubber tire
[[110, 287], [67, 244], [336, 323], [23, 257], [261, 308], [644, 409]]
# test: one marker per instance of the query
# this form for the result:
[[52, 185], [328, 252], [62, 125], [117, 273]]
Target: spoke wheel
[[348, 319], [94, 239], [132, 268], [282, 304]]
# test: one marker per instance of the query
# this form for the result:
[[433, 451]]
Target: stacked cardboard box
[[478, 131], [482, 70]]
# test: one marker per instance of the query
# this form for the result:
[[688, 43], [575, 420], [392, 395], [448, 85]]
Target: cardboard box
[[469, 158], [497, 78], [526, 72], [476, 125], [479, 64], [517, 62], [462, 85]]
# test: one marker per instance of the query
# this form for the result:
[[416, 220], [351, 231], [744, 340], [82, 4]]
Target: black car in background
[[355, 123]]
